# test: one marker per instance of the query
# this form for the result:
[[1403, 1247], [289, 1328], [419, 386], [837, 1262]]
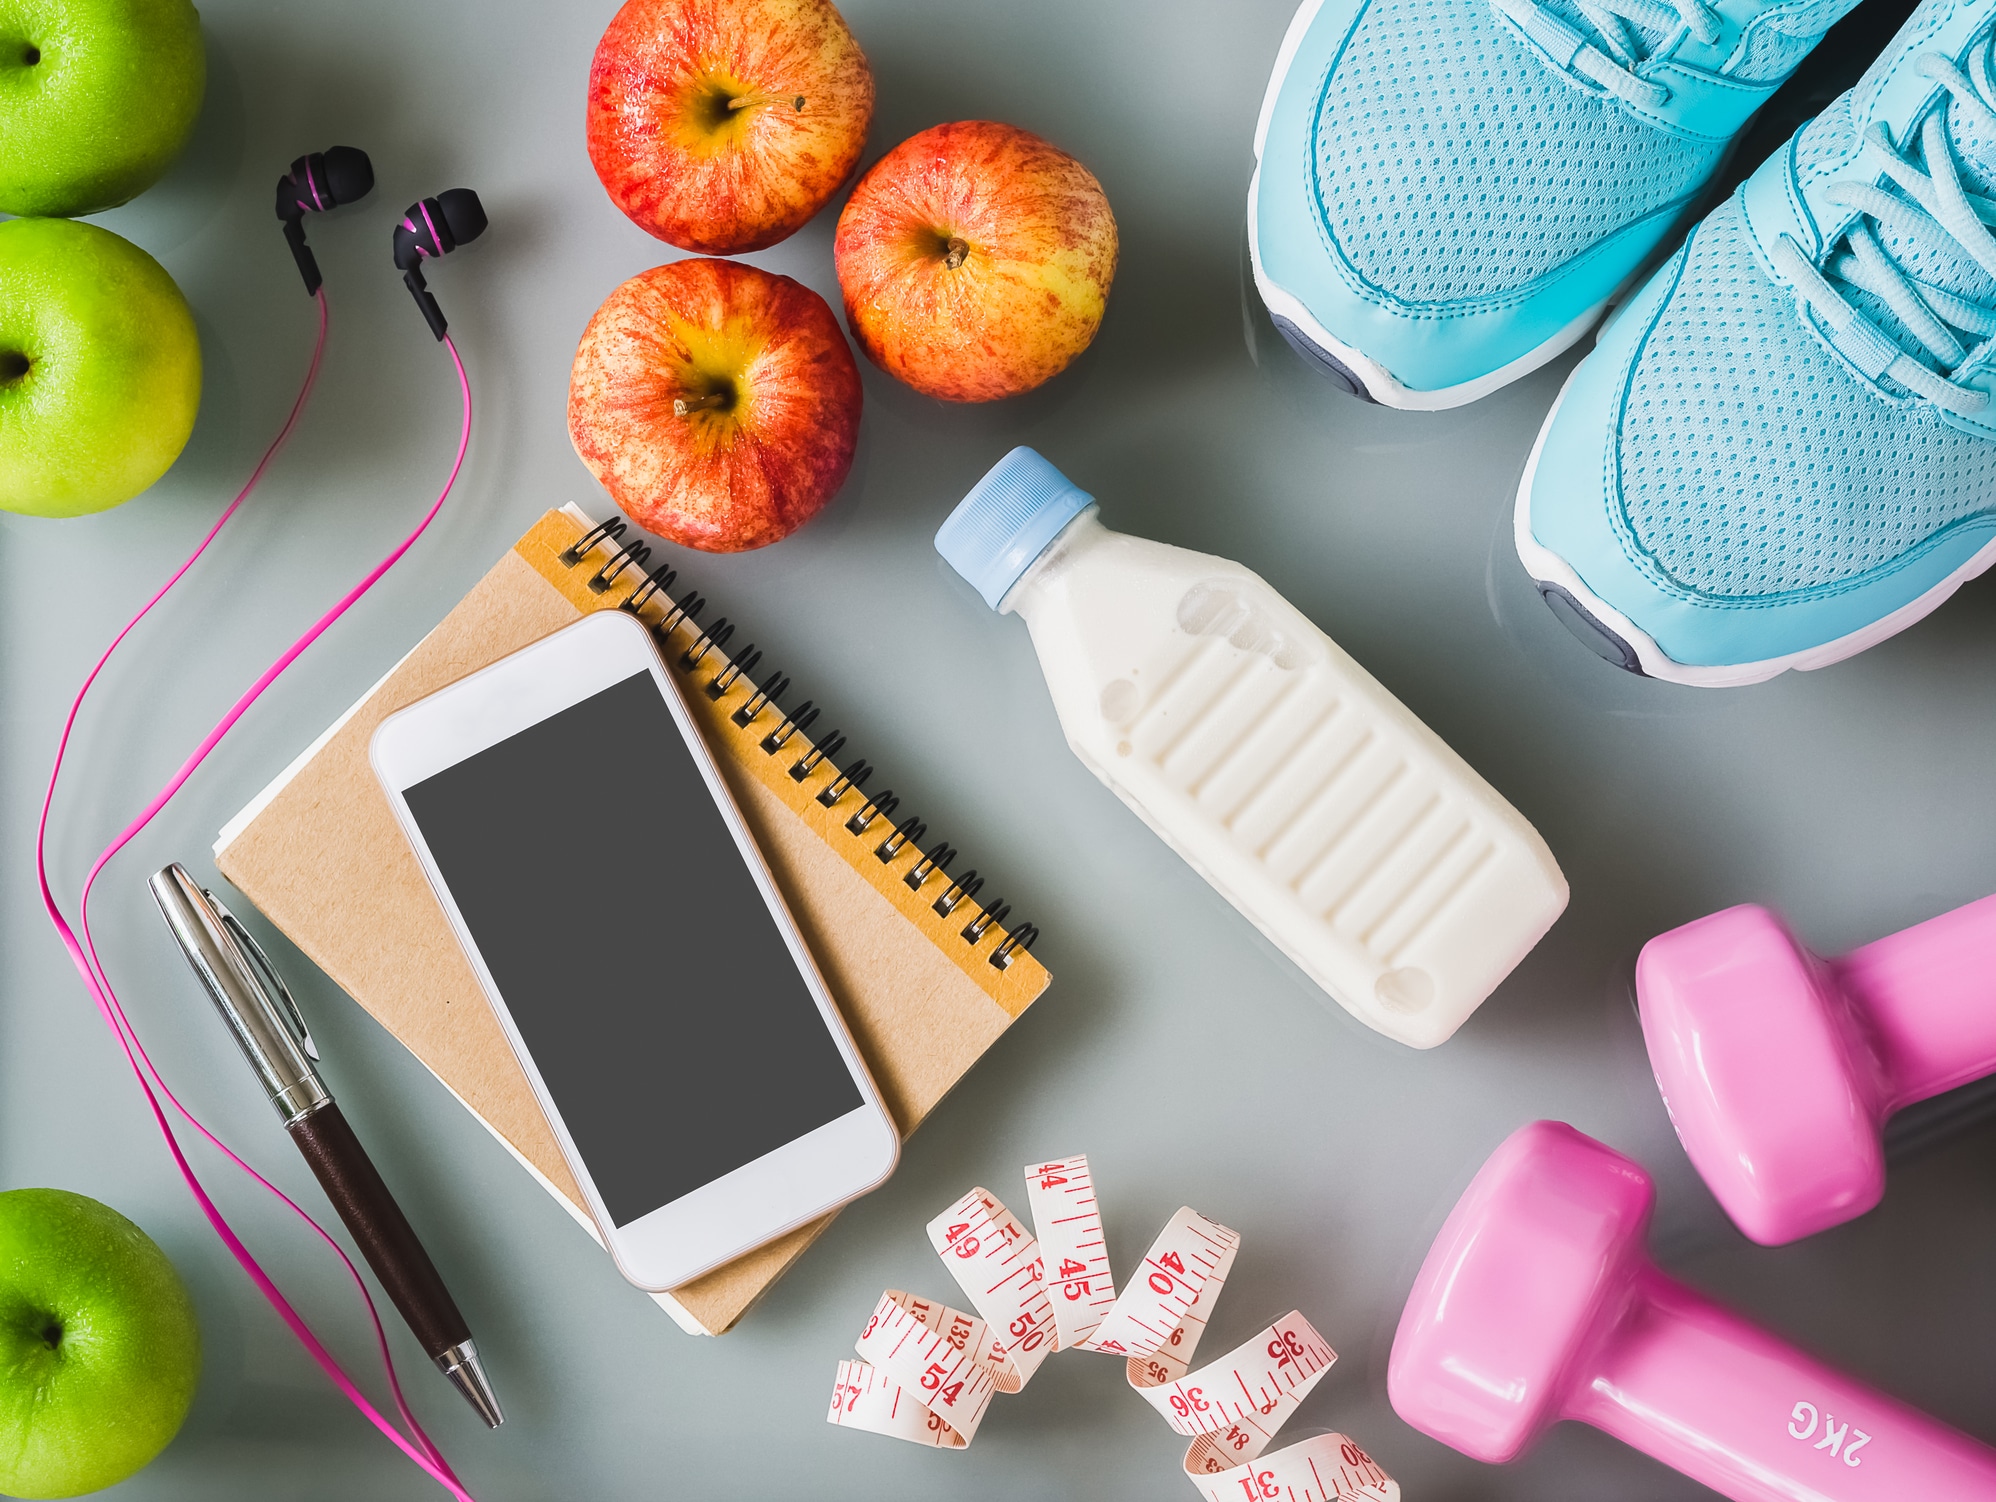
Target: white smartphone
[[703, 1088]]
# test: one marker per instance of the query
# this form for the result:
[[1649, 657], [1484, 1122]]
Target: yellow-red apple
[[717, 403], [723, 125], [975, 260]]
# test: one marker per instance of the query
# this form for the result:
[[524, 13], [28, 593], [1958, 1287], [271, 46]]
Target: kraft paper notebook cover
[[926, 977]]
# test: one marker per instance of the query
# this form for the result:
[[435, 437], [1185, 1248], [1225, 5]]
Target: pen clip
[[267, 973]]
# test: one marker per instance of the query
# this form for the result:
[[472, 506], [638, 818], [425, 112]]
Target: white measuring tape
[[927, 1373]]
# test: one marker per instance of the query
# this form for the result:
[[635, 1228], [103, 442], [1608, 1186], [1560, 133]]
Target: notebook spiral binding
[[709, 652]]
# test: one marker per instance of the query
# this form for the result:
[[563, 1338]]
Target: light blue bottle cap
[[1007, 520]]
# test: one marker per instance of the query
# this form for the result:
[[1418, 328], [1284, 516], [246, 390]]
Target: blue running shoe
[[1448, 193], [1782, 450]]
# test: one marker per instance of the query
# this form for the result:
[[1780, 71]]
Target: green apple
[[99, 1351], [97, 98], [100, 368]]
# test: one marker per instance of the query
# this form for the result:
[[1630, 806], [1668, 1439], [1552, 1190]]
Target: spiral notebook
[[926, 974]]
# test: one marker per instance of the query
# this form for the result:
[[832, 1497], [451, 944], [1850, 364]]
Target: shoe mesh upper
[[1752, 461], [1772, 52], [1826, 140], [1452, 163], [1783, 37]]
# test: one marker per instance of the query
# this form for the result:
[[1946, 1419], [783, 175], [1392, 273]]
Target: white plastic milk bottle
[[1337, 822]]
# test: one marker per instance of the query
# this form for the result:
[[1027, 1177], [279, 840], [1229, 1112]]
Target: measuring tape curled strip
[[1230, 1408], [1255, 1386], [998, 1265], [864, 1398], [1190, 1253], [943, 1359], [1072, 1247], [1322, 1468]]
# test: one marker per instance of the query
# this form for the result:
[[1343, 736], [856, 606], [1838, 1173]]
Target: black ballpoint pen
[[273, 1037]]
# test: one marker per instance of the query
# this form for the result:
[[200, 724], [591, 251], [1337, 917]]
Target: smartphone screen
[[634, 949]]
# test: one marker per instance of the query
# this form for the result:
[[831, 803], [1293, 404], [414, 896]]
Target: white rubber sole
[[1547, 568], [1378, 383]]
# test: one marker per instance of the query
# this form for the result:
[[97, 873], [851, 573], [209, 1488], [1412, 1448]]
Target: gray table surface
[[1857, 799]]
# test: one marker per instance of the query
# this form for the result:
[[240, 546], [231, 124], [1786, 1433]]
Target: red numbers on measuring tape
[[996, 1261], [960, 1242], [1230, 1407], [1285, 1348], [959, 1333], [1190, 1403], [910, 1373], [932, 1379], [1026, 1332], [1161, 1281]]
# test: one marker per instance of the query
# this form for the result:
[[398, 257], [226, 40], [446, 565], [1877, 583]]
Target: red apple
[[975, 260], [723, 125], [717, 403]]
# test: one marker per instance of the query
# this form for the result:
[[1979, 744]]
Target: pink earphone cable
[[85, 957]]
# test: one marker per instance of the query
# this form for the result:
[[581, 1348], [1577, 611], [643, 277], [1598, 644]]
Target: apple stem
[[742, 102], [956, 253], [683, 406]]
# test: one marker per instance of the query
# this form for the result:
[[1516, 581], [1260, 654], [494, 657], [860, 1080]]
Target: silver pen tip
[[460, 1363]]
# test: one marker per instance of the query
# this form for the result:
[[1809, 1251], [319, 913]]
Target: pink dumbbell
[[1538, 1303], [1779, 1069]]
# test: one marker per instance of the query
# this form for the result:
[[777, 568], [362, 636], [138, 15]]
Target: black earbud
[[435, 227], [323, 180]]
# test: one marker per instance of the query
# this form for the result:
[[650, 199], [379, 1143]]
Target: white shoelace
[[1937, 215], [1610, 56]]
